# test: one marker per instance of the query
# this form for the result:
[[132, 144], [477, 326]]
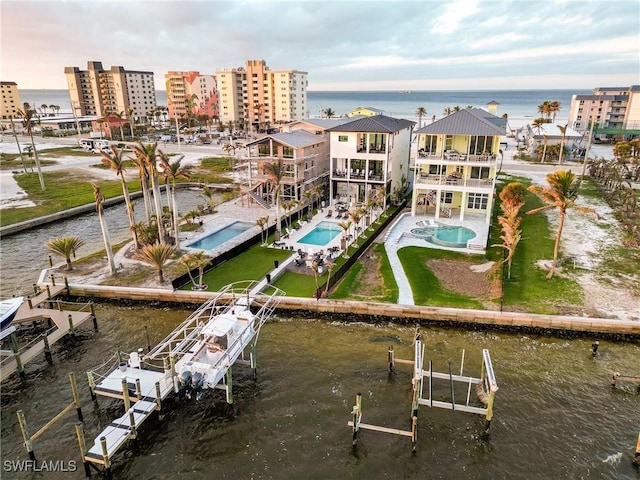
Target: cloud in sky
[[343, 45]]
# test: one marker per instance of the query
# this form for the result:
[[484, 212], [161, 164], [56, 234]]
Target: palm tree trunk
[[176, 232], [156, 199], [13, 128], [556, 247], [107, 241], [130, 213], [35, 155]]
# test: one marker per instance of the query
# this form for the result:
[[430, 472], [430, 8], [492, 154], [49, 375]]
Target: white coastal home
[[456, 163], [369, 157]]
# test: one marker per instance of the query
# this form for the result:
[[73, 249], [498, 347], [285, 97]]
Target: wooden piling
[[636, 458], [125, 394], [105, 453], [71, 328], [93, 315], [132, 424], [92, 386], [16, 355], [25, 435], [252, 360], [48, 293], [76, 396], [36, 290], [53, 280], [391, 359], [158, 397], [174, 375], [83, 448], [357, 416], [138, 389], [50, 261], [66, 283], [30, 303], [47, 349], [414, 433], [229, 378], [59, 305]]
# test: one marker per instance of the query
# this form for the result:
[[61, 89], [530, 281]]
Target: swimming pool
[[217, 238], [322, 234], [445, 235]]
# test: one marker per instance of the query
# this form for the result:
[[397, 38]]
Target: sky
[[343, 45]]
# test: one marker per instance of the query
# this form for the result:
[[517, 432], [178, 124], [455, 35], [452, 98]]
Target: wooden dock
[[34, 309]]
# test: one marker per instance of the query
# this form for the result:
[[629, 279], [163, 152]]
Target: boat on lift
[[8, 310]]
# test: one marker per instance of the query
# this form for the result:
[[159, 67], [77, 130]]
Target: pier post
[[25, 435], [50, 261], [489, 414], [92, 386], [414, 433], [138, 389], [76, 396], [59, 305], [53, 280], [105, 455], [229, 378], [93, 315], [357, 415], [48, 293], [132, 424], [16, 356], [252, 360], [36, 290], [30, 303], [146, 334], [47, 349], [83, 448], [636, 458], [174, 375], [66, 283], [125, 395], [391, 356], [71, 329], [158, 397]]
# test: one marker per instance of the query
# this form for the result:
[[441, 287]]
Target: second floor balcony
[[455, 157], [453, 180]]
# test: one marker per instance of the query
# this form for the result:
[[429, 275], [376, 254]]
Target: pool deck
[[395, 240]]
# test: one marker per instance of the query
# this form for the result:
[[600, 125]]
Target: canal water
[[556, 415]]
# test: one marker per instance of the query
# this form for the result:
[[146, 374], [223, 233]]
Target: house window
[[477, 201], [479, 144], [446, 198], [287, 152], [343, 138], [480, 172]]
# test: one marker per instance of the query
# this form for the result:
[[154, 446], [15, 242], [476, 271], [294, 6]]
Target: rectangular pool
[[322, 234], [217, 238]]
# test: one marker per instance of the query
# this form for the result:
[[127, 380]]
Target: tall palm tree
[[113, 159], [120, 116], [563, 132], [173, 171], [544, 150], [27, 114], [43, 109], [149, 154], [329, 266], [356, 216], [562, 194], [197, 260], [447, 111], [143, 175], [274, 172], [65, 247], [537, 125], [99, 198], [156, 255], [345, 226], [554, 108], [420, 112], [13, 129], [130, 118], [329, 112], [512, 199]]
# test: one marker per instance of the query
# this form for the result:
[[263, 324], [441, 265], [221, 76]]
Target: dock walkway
[[64, 322]]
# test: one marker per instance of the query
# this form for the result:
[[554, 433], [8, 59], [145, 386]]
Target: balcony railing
[[457, 157], [358, 175], [434, 179]]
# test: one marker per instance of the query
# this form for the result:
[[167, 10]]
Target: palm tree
[[356, 216], [329, 112], [13, 129], [149, 154], [55, 108], [130, 118], [512, 197], [65, 247], [43, 109], [544, 150], [27, 115], [274, 172], [537, 125], [562, 194], [143, 175], [261, 222], [173, 171], [99, 198], [554, 108], [420, 112], [447, 111], [197, 260], [120, 116], [329, 266], [563, 132], [156, 255], [113, 159], [345, 225]]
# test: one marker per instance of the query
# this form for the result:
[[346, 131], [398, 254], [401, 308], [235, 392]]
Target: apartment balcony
[[452, 180], [358, 175], [455, 157]]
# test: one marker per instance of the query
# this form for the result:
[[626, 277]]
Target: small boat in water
[[8, 310]]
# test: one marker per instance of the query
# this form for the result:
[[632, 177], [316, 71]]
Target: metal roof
[[295, 139], [468, 121], [374, 124], [327, 123], [552, 131]]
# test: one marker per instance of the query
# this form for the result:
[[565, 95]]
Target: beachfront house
[[369, 156], [364, 111], [305, 163], [550, 133], [455, 165]]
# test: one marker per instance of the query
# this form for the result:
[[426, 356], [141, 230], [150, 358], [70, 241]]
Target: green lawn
[[426, 288]]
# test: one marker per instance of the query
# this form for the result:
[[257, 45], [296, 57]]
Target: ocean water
[[515, 103]]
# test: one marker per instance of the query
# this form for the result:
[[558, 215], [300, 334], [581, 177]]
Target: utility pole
[[586, 152]]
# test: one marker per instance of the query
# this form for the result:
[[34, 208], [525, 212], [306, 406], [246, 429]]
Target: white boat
[[8, 310]]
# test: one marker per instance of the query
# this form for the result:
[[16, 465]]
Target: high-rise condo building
[[96, 91], [10, 100], [191, 91], [255, 97], [615, 110]]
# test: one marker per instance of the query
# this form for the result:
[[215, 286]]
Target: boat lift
[[144, 381], [486, 388]]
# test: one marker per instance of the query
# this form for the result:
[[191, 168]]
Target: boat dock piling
[[60, 321], [486, 387], [28, 439]]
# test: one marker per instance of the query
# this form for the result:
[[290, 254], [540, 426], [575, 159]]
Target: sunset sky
[[343, 45]]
